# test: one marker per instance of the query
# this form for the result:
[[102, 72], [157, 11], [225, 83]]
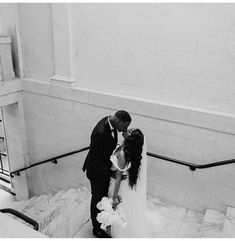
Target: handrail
[[21, 216], [191, 166], [53, 160], [3, 154]]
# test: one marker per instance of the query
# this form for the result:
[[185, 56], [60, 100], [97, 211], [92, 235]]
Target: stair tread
[[166, 209], [213, 216], [212, 226], [191, 225], [229, 228], [230, 213], [58, 209], [21, 230], [170, 216], [229, 224], [176, 222]]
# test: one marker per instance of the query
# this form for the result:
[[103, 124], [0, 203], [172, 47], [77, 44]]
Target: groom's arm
[[96, 151]]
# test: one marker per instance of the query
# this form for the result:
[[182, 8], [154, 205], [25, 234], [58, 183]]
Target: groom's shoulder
[[102, 122], [101, 125]]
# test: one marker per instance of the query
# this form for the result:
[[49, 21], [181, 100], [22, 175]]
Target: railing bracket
[[54, 161], [192, 168], [13, 174]]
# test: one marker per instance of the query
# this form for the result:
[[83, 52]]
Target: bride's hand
[[119, 198], [115, 202]]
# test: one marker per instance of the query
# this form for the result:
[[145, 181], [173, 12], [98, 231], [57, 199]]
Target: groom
[[97, 164]]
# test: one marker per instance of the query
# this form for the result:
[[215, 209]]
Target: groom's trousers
[[99, 189]]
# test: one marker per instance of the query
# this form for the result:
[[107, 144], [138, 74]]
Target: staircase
[[178, 222], [66, 214], [60, 215]]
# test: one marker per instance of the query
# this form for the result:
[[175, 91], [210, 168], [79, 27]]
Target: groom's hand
[[124, 177], [114, 175]]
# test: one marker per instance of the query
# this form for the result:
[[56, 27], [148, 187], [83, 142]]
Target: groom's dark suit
[[97, 164]]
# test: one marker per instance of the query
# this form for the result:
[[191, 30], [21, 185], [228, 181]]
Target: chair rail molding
[[63, 80]]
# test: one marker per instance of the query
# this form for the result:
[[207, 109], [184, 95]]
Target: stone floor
[[85, 231], [170, 221]]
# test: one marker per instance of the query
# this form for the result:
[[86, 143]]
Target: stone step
[[59, 215], [191, 225], [39, 209], [229, 224], [85, 231], [25, 206], [165, 208], [167, 217], [213, 223], [73, 212], [11, 228], [181, 223]]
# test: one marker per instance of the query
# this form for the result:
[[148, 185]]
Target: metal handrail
[[191, 166], [53, 160], [21, 216], [3, 154]]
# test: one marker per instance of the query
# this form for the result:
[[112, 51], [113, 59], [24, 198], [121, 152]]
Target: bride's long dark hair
[[133, 149]]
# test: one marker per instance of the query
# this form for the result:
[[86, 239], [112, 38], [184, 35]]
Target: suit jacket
[[102, 145]]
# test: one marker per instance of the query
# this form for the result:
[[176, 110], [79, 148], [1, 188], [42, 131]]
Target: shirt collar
[[111, 128]]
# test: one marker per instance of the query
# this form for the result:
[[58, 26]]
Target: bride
[[130, 194]]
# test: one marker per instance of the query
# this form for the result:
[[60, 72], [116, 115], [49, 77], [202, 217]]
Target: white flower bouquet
[[108, 215]]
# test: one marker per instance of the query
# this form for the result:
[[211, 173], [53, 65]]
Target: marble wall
[[170, 65], [60, 119], [36, 40], [177, 53]]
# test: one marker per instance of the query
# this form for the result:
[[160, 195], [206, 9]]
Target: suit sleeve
[[97, 162]]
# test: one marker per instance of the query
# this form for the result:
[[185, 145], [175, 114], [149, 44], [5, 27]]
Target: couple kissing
[[118, 172]]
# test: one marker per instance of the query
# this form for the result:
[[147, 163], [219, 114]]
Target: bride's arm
[[116, 187], [121, 165]]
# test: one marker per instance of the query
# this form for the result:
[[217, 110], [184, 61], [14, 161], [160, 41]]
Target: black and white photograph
[[117, 119]]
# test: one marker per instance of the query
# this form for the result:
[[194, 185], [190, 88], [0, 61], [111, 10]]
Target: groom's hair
[[123, 116]]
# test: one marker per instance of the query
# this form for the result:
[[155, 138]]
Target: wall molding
[[60, 15], [185, 115], [9, 92], [63, 80]]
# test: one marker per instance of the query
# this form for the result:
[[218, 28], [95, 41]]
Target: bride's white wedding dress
[[134, 203]]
